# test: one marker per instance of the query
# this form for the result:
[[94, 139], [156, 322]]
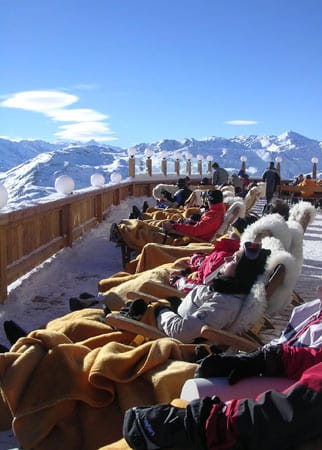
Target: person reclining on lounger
[[136, 233], [202, 267], [179, 197], [275, 419], [210, 220], [218, 303]]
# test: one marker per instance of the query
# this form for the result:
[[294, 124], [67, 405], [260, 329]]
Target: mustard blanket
[[68, 385]]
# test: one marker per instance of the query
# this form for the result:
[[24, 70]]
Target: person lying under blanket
[[217, 304], [136, 233], [275, 419]]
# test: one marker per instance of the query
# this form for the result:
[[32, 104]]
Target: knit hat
[[215, 196], [181, 182]]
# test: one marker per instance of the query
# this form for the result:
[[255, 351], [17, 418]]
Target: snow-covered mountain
[[28, 169]]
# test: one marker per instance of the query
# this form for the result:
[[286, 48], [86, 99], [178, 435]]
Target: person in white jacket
[[218, 303]]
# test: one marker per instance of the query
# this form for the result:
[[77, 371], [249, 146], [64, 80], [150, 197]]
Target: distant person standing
[[272, 179], [220, 175]]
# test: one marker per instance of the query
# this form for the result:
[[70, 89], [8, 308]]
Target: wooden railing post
[[66, 224], [98, 210], [3, 264]]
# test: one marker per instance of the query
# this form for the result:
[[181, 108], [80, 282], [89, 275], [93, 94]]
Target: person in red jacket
[[273, 420], [210, 220]]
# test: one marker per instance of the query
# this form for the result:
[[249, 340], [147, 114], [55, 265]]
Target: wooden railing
[[31, 235]]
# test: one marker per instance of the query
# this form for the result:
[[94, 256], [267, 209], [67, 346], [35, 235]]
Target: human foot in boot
[[13, 331], [76, 304]]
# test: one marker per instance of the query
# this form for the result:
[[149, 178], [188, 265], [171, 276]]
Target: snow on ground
[[43, 294]]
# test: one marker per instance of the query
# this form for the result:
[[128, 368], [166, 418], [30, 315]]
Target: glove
[[265, 361], [202, 351], [134, 310]]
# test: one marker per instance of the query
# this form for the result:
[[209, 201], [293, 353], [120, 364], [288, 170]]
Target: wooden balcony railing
[[31, 235]]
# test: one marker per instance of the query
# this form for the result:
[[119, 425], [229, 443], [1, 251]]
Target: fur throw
[[270, 225]]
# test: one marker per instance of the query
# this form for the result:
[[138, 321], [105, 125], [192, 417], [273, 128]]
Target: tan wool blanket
[[115, 288], [68, 386], [154, 255]]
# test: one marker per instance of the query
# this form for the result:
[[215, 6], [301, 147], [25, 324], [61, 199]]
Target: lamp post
[[64, 184], [243, 161], [148, 163], [164, 155], [278, 160], [188, 164], [209, 159], [131, 153], [200, 158], [3, 196], [314, 168], [177, 156]]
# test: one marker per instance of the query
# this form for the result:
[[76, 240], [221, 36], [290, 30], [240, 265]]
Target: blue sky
[[132, 71]]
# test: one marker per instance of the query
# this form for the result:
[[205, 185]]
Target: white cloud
[[84, 123], [241, 122], [76, 115], [39, 101], [85, 131]]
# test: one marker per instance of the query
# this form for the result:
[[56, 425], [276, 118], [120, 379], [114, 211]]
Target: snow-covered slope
[[29, 168]]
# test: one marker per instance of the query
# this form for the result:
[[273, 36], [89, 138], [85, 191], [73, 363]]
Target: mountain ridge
[[28, 169]]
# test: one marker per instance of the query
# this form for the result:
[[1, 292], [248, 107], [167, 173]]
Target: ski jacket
[[207, 226]]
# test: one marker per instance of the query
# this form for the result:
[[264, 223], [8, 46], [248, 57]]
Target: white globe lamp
[[148, 152], [3, 196], [131, 152], [164, 154], [97, 180], [64, 184], [116, 177], [243, 159]]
